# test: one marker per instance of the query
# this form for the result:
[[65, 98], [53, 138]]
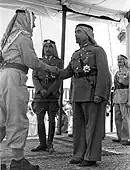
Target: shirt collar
[[48, 57]]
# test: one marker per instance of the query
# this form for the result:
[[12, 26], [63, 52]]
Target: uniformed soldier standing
[[120, 100], [46, 96], [89, 68], [18, 55]]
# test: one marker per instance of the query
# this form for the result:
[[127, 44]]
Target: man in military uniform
[[46, 96], [89, 68]]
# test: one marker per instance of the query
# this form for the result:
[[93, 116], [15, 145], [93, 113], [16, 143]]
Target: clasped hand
[[44, 92], [97, 99], [54, 69]]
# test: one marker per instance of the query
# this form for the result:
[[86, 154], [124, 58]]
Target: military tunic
[[120, 98], [92, 82], [48, 103]]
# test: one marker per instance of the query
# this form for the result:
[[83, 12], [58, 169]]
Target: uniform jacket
[[84, 88], [47, 80], [121, 87]]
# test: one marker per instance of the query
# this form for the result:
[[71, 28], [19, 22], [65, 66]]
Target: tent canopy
[[114, 9]]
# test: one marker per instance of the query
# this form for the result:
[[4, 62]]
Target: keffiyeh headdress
[[22, 21], [48, 41], [89, 31]]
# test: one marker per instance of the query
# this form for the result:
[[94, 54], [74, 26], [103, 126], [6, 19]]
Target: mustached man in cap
[[120, 100], [18, 55], [90, 72], [46, 96]]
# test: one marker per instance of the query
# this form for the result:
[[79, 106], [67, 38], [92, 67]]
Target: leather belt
[[48, 80], [16, 66]]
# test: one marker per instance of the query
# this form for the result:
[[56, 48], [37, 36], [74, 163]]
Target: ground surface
[[114, 156]]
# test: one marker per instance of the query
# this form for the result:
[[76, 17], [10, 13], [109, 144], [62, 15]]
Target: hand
[[97, 99], [44, 93], [127, 105], [54, 69]]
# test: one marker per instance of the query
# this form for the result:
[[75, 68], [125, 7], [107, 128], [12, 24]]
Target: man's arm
[[66, 73], [29, 57], [36, 81], [103, 72], [57, 83]]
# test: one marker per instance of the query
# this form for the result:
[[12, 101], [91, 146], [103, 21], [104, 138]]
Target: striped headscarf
[[22, 21]]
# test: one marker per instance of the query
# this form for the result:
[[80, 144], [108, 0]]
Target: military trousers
[[122, 121], [51, 108], [87, 133]]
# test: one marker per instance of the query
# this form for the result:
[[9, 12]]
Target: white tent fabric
[[91, 10], [114, 9]]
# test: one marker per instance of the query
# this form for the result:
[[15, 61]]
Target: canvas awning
[[85, 10], [114, 9]]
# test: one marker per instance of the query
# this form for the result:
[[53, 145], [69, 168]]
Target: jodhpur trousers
[[14, 98], [122, 121]]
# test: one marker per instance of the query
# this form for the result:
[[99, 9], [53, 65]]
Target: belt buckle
[[3, 64], [46, 80]]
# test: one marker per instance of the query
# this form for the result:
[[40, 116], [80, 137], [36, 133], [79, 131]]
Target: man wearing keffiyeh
[[89, 68], [17, 56], [46, 96]]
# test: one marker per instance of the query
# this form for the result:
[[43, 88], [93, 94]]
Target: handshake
[[54, 69]]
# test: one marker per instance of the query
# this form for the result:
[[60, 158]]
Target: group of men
[[89, 69]]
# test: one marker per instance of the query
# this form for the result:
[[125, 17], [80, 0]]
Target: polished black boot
[[42, 138], [3, 167], [39, 148], [87, 163]]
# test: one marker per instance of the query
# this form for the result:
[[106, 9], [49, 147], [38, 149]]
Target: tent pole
[[110, 45], [128, 47], [62, 57]]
